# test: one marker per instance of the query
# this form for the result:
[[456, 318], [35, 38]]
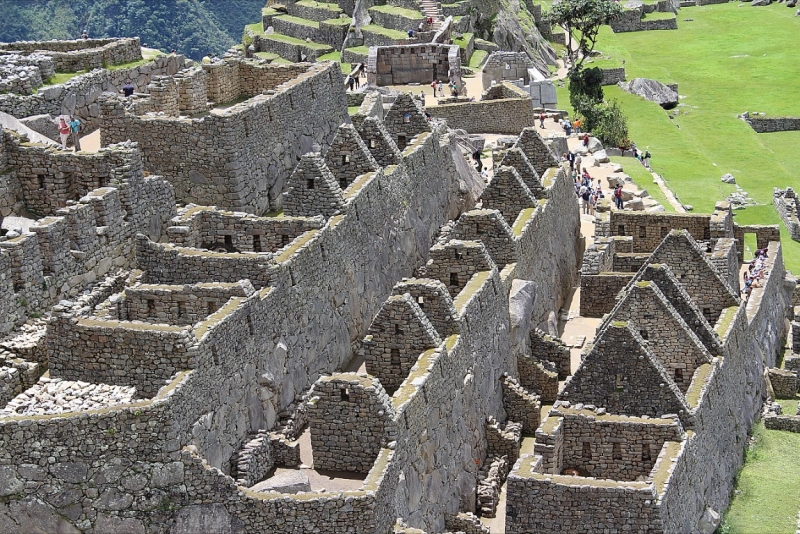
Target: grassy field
[[768, 487], [644, 180], [724, 67]]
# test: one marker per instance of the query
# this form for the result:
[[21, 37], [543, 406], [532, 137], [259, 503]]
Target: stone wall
[[598, 292], [79, 96], [81, 54], [351, 420], [613, 76], [218, 230], [240, 157], [506, 66], [785, 202], [773, 124], [418, 63], [505, 116], [74, 244]]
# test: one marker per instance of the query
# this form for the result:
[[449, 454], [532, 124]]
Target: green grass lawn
[[768, 486], [387, 32], [411, 14], [477, 58], [643, 179], [724, 67], [299, 21]]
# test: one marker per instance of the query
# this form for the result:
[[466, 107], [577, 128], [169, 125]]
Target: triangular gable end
[[679, 299], [399, 333], [669, 338], [312, 189], [696, 274], [348, 156], [508, 194], [622, 376]]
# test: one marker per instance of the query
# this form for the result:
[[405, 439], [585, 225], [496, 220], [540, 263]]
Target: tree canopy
[[582, 19], [191, 27]]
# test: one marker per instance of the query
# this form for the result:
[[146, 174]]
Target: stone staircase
[[432, 9]]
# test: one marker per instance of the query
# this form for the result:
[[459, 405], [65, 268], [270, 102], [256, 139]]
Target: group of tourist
[[569, 126], [588, 194], [353, 80], [427, 24], [68, 128], [755, 271], [453, 86]]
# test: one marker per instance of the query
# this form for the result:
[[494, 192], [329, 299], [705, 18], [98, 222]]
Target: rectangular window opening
[[587, 450], [212, 306], [454, 279], [345, 394], [256, 243], [620, 229], [395, 357], [616, 452], [310, 183], [642, 231]]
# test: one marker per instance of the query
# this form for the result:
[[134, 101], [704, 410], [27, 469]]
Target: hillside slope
[[191, 27]]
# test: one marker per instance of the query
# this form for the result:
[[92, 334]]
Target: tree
[[581, 19]]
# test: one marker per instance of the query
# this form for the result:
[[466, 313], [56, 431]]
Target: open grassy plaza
[[726, 59]]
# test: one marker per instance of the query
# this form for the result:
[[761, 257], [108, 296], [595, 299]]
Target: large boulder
[[288, 481], [757, 3], [728, 178], [601, 157], [595, 144], [635, 204], [652, 90]]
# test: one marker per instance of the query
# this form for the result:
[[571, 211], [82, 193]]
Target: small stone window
[[478, 228], [395, 357], [310, 183], [642, 231], [706, 232], [620, 229], [454, 279], [616, 452], [250, 325], [343, 183], [619, 383], [678, 375], [41, 180], [229, 241], [707, 314], [345, 159], [284, 240], [151, 307], [421, 301], [587, 450], [397, 330], [181, 308], [212, 306], [664, 231], [256, 243], [643, 333], [372, 143], [345, 394], [645, 452]]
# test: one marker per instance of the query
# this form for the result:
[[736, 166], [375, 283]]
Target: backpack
[[618, 193], [647, 154]]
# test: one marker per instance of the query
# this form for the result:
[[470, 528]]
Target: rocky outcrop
[[652, 90]]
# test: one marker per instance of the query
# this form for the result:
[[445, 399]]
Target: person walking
[[440, 85], [586, 195], [541, 120], [571, 159], [63, 131], [646, 158], [74, 128], [578, 161], [577, 125]]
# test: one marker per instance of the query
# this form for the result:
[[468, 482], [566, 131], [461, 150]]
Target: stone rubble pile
[[58, 396]]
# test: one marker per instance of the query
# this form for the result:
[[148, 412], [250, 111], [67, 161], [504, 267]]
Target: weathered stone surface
[[206, 518], [520, 308], [728, 178], [652, 90], [286, 481]]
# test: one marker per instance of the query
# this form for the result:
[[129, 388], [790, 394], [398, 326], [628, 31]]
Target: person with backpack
[[586, 195], [646, 158], [618, 197]]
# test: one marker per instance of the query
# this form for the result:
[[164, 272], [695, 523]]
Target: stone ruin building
[[249, 313]]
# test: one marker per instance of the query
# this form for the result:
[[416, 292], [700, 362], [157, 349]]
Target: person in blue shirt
[[74, 127]]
